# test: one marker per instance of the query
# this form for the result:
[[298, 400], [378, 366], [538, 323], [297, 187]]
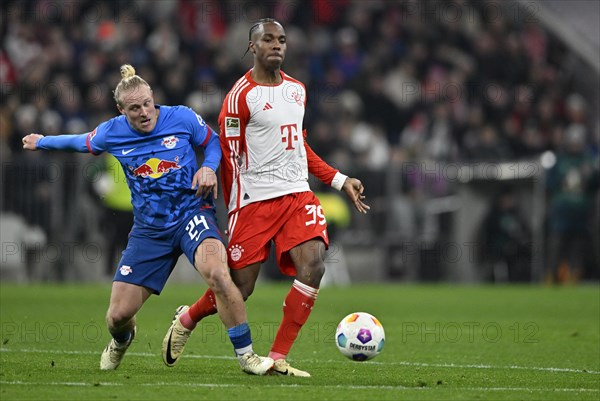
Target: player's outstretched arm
[[354, 189], [30, 141], [68, 142]]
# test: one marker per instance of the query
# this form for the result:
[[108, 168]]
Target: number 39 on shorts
[[315, 212]]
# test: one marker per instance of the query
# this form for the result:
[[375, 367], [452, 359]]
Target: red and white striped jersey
[[263, 142]]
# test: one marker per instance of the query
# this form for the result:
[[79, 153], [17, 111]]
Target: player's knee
[[117, 317], [317, 268], [312, 273], [217, 277]]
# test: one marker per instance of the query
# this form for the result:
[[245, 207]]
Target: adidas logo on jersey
[[267, 106]]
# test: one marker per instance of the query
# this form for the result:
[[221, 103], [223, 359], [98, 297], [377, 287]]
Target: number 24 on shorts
[[192, 227]]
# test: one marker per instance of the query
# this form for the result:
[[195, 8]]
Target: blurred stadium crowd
[[389, 82]]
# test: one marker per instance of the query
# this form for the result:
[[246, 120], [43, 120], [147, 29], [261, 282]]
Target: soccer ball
[[360, 336]]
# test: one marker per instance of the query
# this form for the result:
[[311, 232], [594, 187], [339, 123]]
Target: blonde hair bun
[[128, 81], [127, 71]]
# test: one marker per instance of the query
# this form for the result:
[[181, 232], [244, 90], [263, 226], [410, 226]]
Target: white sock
[[241, 351]]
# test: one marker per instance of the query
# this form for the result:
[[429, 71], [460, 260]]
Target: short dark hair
[[254, 27], [259, 23]]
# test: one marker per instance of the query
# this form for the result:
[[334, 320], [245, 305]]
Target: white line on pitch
[[400, 363], [222, 385]]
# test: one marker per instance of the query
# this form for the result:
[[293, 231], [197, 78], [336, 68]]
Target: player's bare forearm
[[30, 141], [354, 189], [205, 182]]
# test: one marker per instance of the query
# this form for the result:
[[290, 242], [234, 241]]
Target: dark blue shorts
[[151, 255]]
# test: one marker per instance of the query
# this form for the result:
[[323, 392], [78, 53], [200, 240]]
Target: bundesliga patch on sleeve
[[232, 126]]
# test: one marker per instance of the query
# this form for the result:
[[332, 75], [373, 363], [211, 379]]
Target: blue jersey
[[159, 165]]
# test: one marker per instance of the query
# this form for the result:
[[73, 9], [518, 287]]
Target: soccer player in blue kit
[[173, 210]]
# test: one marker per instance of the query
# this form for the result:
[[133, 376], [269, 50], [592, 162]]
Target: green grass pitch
[[445, 342]]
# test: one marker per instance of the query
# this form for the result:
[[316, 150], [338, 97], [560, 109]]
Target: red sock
[[296, 309], [205, 306]]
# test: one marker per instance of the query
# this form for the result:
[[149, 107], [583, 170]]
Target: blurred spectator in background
[[571, 184], [117, 217], [506, 240], [487, 145]]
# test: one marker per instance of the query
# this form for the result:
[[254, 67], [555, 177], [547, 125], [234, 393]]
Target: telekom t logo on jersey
[[289, 134]]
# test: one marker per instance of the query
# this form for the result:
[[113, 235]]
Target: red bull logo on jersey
[[169, 141], [155, 168]]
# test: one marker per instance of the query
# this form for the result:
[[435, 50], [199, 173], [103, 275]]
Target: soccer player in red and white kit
[[264, 173]]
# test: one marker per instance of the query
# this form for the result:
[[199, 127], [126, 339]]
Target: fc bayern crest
[[236, 252], [298, 98]]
